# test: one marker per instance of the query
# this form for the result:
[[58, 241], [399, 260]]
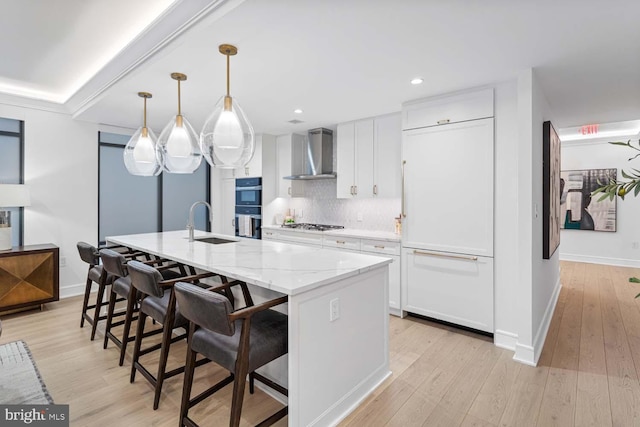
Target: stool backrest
[[113, 262], [207, 309], [145, 278], [88, 253]]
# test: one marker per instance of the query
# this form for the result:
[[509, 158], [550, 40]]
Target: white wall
[[61, 159], [506, 218], [596, 246], [538, 282]]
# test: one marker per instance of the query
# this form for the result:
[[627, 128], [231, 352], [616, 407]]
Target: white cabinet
[[448, 197], [355, 159], [350, 244], [449, 287], [447, 202], [387, 147], [228, 203], [253, 168], [448, 109], [368, 157], [392, 250], [268, 234], [290, 161], [311, 239]]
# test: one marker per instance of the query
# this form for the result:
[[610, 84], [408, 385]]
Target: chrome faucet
[[190, 225]]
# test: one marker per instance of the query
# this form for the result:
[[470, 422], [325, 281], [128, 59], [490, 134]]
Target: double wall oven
[[249, 208]]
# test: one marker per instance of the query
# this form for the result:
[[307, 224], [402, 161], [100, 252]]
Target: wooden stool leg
[[167, 328], [131, 303], [142, 317], [96, 315], [251, 383], [112, 306], [189, 369], [85, 302], [242, 368]]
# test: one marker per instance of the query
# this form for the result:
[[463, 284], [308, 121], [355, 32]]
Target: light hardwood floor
[[587, 375]]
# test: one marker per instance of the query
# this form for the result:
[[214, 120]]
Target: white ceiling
[[51, 48], [343, 60]]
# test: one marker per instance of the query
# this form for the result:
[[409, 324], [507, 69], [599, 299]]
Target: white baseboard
[[74, 290], [601, 260], [527, 354], [504, 339]]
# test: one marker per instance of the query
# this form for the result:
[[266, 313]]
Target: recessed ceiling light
[[416, 81], [297, 111]]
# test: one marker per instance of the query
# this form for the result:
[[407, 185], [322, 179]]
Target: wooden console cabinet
[[29, 276]]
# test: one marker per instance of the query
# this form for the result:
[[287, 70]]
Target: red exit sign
[[589, 129]]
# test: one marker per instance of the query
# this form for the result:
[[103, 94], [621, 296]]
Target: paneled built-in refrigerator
[[447, 208]]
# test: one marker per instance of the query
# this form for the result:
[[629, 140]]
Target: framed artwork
[[550, 190], [578, 210]]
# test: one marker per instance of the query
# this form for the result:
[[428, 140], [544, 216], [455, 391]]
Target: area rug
[[20, 381]]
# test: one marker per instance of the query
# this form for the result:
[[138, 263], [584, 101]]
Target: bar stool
[[115, 264], [97, 274], [159, 303], [240, 341]]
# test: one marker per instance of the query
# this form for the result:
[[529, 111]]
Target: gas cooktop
[[315, 227]]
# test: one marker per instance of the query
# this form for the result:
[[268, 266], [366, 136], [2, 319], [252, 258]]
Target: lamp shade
[[14, 195]]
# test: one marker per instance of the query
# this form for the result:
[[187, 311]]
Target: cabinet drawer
[[450, 287], [341, 243], [380, 247], [448, 109], [300, 238], [269, 235]]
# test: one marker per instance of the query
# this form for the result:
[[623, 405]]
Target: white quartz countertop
[[386, 236], [283, 267]]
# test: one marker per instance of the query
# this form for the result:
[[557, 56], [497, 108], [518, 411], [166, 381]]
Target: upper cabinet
[[253, 168], [289, 159], [387, 151], [368, 158], [448, 109]]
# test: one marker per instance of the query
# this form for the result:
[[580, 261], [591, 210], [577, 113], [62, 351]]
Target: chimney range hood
[[317, 156]]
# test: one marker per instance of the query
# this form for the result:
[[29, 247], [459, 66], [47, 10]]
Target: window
[[130, 204], [12, 169]]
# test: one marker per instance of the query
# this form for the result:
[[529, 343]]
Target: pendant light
[[227, 140], [142, 155], [179, 142]]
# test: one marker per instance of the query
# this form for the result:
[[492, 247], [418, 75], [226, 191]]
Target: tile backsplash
[[321, 206]]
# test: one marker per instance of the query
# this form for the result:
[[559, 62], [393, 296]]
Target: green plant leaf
[[634, 280], [624, 144]]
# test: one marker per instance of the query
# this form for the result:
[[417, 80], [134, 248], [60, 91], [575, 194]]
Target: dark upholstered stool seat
[[122, 286], [156, 308], [96, 272], [268, 340]]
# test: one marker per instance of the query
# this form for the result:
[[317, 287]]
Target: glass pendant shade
[[178, 143], [142, 155], [227, 140]]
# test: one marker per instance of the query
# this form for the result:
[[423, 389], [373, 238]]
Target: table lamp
[[11, 196]]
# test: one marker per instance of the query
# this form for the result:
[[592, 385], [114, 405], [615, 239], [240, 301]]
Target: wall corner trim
[[505, 339], [527, 354]]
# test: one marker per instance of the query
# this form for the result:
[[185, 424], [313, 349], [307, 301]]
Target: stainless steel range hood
[[317, 156]]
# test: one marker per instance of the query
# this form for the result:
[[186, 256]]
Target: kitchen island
[[337, 308]]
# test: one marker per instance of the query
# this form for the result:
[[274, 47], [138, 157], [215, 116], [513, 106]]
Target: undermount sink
[[214, 240]]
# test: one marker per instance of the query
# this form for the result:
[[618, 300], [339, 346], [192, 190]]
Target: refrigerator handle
[[404, 213], [442, 255]]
